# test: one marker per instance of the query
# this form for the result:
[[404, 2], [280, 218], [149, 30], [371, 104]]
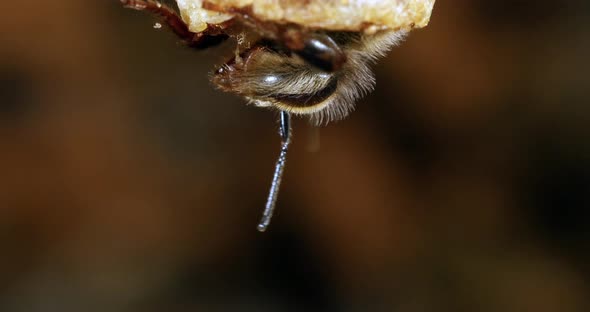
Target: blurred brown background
[[127, 183]]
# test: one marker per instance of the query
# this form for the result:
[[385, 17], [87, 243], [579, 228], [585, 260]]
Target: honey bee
[[300, 57]]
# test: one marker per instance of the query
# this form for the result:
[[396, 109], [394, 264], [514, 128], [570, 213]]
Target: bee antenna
[[285, 132]]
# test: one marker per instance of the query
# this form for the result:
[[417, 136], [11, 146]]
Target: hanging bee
[[300, 57]]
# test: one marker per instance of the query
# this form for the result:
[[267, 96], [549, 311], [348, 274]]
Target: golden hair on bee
[[269, 77]]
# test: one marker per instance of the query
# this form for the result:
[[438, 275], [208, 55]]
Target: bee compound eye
[[323, 52], [306, 102]]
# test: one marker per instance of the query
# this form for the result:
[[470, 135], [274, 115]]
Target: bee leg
[[285, 132], [179, 27]]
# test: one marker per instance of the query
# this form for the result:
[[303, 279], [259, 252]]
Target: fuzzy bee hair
[[270, 78]]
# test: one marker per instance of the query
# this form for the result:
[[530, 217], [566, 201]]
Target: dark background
[[127, 183]]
